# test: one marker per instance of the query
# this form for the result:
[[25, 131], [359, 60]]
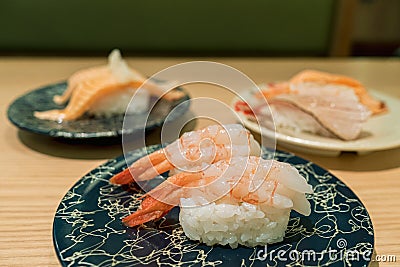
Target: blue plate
[[87, 228], [20, 113]]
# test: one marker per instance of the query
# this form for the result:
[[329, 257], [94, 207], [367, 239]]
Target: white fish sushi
[[316, 102], [329, 116]]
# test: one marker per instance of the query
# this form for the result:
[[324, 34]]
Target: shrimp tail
[[124, 177], [171, 186], [143, 169], [150, 209]]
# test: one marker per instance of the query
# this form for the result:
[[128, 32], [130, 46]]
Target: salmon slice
[[274, 89], [313, 76], [85, 93], [87, 86], [77, 78], [324, 77]]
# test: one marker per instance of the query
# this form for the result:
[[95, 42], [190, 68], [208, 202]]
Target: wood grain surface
[[37, 171]]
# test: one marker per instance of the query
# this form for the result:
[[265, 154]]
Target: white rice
[[117, 103], [224, 224]]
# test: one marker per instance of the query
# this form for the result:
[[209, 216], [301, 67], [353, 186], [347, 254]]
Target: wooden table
[[37, 171]]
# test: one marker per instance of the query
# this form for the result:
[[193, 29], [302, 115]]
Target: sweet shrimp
[[193, 150], [242, 179]]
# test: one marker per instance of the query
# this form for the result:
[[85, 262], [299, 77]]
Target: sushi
[[329, 116], [312, 82], [317, 82], [240, 201], [106, 91], [315, 102], [226, 192]]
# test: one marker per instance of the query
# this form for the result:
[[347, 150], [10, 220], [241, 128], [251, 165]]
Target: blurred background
[[200, 28]]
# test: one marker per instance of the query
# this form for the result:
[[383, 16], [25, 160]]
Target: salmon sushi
[[107, 90]]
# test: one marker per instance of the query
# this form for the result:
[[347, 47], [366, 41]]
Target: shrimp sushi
[[226, 192], [105, 91], [241, 201]]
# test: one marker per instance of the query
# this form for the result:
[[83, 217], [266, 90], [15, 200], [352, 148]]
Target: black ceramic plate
[[20, 113], [87, 228]]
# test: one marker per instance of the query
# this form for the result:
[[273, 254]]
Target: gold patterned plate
[[87, 229]]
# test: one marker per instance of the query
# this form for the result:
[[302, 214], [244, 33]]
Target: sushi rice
[[120, 102], [233, 225]]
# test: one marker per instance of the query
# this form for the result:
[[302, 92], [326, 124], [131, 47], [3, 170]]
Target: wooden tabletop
[[38, 171]]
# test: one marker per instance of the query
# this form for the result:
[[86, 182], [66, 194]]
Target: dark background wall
[[199, 28]]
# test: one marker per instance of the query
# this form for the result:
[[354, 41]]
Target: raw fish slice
[[76, 79], [270, 90], [324, 77], [287, 115], [340, 85], [88, 86], [87, 93], [117, 69], [340, 116], [311, 82]]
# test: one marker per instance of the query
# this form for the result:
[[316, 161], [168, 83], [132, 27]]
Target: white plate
[[380, 132]]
